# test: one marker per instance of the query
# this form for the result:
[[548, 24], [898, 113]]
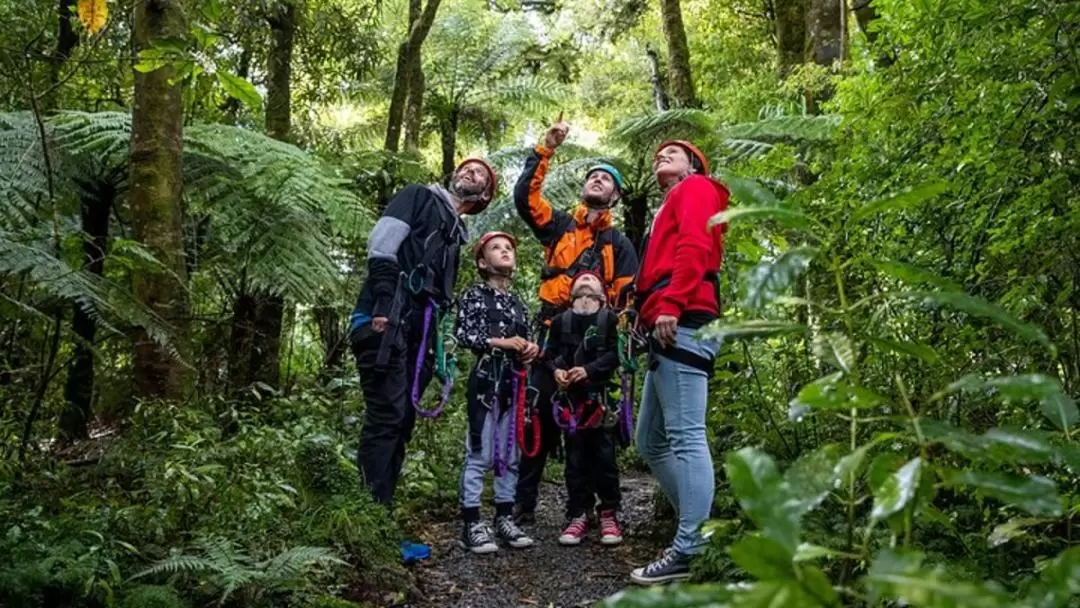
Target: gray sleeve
[[386, 237]]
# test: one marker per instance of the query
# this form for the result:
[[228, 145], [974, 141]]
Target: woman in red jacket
[[677, 295]]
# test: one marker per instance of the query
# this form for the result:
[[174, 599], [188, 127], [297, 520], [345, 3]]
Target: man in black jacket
[[412, 266]]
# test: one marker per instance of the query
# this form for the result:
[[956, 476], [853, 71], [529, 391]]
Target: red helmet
[[690, 148], [493, 183], [478, 248]]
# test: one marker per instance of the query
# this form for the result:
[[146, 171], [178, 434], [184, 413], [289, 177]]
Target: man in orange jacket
[[676, 295], [584, 240]]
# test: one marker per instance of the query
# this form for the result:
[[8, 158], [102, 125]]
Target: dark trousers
[[389, 416], [592, 472], [531, 470]]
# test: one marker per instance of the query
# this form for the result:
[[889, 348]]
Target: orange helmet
[[478, 248], [690, 148], [493, 180]]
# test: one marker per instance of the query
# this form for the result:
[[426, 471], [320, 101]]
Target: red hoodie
[[682, 249]]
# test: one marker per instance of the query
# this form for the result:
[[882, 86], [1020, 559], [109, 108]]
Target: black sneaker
[[477, 538], [672, 566], [506, 529]]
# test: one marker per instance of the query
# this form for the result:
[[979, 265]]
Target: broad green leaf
[[757, 485], [981, 308], [1060, 580], [750, 329], [763, 558], [910, 349], [915, 275], [810, 478], [1036, 495], [1069, 455], [785, 216], [770, 278], [853, 462], [1047, 391], [817, 585], [808, 552], [908, 198], [1013, 528], [901, 576], [776, 593], [836, 350], [898, 490], [240, 89], [1005, 446], [678, 596], [829, 393], [747, 191]]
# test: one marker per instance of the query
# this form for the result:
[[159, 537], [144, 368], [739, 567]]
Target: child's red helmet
[[478, 248]]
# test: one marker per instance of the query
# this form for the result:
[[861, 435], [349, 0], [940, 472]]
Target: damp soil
[[546, 574]]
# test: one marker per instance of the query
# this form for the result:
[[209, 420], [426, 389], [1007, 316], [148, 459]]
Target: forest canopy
[[186, 191]]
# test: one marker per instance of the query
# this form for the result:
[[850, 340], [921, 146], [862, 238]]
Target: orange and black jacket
[[571, 243]]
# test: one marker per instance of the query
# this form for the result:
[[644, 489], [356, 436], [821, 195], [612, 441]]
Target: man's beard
[[597, 201], [468, 193]]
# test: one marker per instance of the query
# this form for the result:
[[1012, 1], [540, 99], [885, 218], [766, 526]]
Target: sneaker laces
[[508, 528], [479, 533], [577, 526], [662, 563], [609, 525]]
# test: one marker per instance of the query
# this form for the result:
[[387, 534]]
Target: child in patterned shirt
[[492, 322]]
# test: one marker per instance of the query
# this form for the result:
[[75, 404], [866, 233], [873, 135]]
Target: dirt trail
[[546, 574]]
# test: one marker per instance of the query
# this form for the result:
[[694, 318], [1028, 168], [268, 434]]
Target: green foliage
[[152, 596]]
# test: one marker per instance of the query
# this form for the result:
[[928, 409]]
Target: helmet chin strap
[[467, 198]]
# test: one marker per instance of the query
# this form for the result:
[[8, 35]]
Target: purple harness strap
[[500, 460], [429, 312], [626, 415], [571, 424]]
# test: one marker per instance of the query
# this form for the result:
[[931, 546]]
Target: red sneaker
[[610, 532], [575, 532]]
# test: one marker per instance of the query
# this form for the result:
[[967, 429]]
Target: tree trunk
[[790, 24], [95, 210], [414, 109], [156, 202], [263, 360], [414, 103], [448, 134], [66, 41], [680, 81], [334, 341], [660, 96], [825, 29], [408, 58]]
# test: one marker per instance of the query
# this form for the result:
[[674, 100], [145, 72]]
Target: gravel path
[[546, 574]]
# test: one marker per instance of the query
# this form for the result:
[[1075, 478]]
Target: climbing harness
[[629, 342], [501, 459], [445, 360], [572, 417], [528, 418]]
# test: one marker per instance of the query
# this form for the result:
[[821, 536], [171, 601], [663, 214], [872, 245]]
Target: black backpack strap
[[591, 258], [436, 272]]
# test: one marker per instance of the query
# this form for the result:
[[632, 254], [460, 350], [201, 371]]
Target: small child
[[492, 322], [582, 353]]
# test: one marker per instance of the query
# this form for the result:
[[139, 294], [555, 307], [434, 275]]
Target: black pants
[[389, 416], [531, 470], [591, 472]]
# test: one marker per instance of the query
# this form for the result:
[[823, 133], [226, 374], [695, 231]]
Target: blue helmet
[[610, 170]]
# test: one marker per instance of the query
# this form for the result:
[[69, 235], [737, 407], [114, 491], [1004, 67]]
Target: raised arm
[[529, 199]]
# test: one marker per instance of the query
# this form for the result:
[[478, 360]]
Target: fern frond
[[650, 128], [808, 128], [298, 561], [180, 564]]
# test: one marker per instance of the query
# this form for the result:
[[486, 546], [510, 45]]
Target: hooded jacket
[[570, 239], [678, 275]]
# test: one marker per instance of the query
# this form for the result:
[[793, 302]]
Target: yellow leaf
[[93, 14]]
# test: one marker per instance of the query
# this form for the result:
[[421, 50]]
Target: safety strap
[[589, 258], [500, 460], [445, 360], [642, 295]]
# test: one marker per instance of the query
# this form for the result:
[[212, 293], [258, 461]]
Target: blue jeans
[[479, 462], [671, 438]]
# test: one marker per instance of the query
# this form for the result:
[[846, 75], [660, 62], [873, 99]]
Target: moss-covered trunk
[[680, 80], [157, 204]]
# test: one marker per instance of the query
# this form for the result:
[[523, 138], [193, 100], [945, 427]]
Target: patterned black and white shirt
[[475, 323]]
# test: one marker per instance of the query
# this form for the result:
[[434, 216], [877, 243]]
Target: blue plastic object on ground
[[414, 552]]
